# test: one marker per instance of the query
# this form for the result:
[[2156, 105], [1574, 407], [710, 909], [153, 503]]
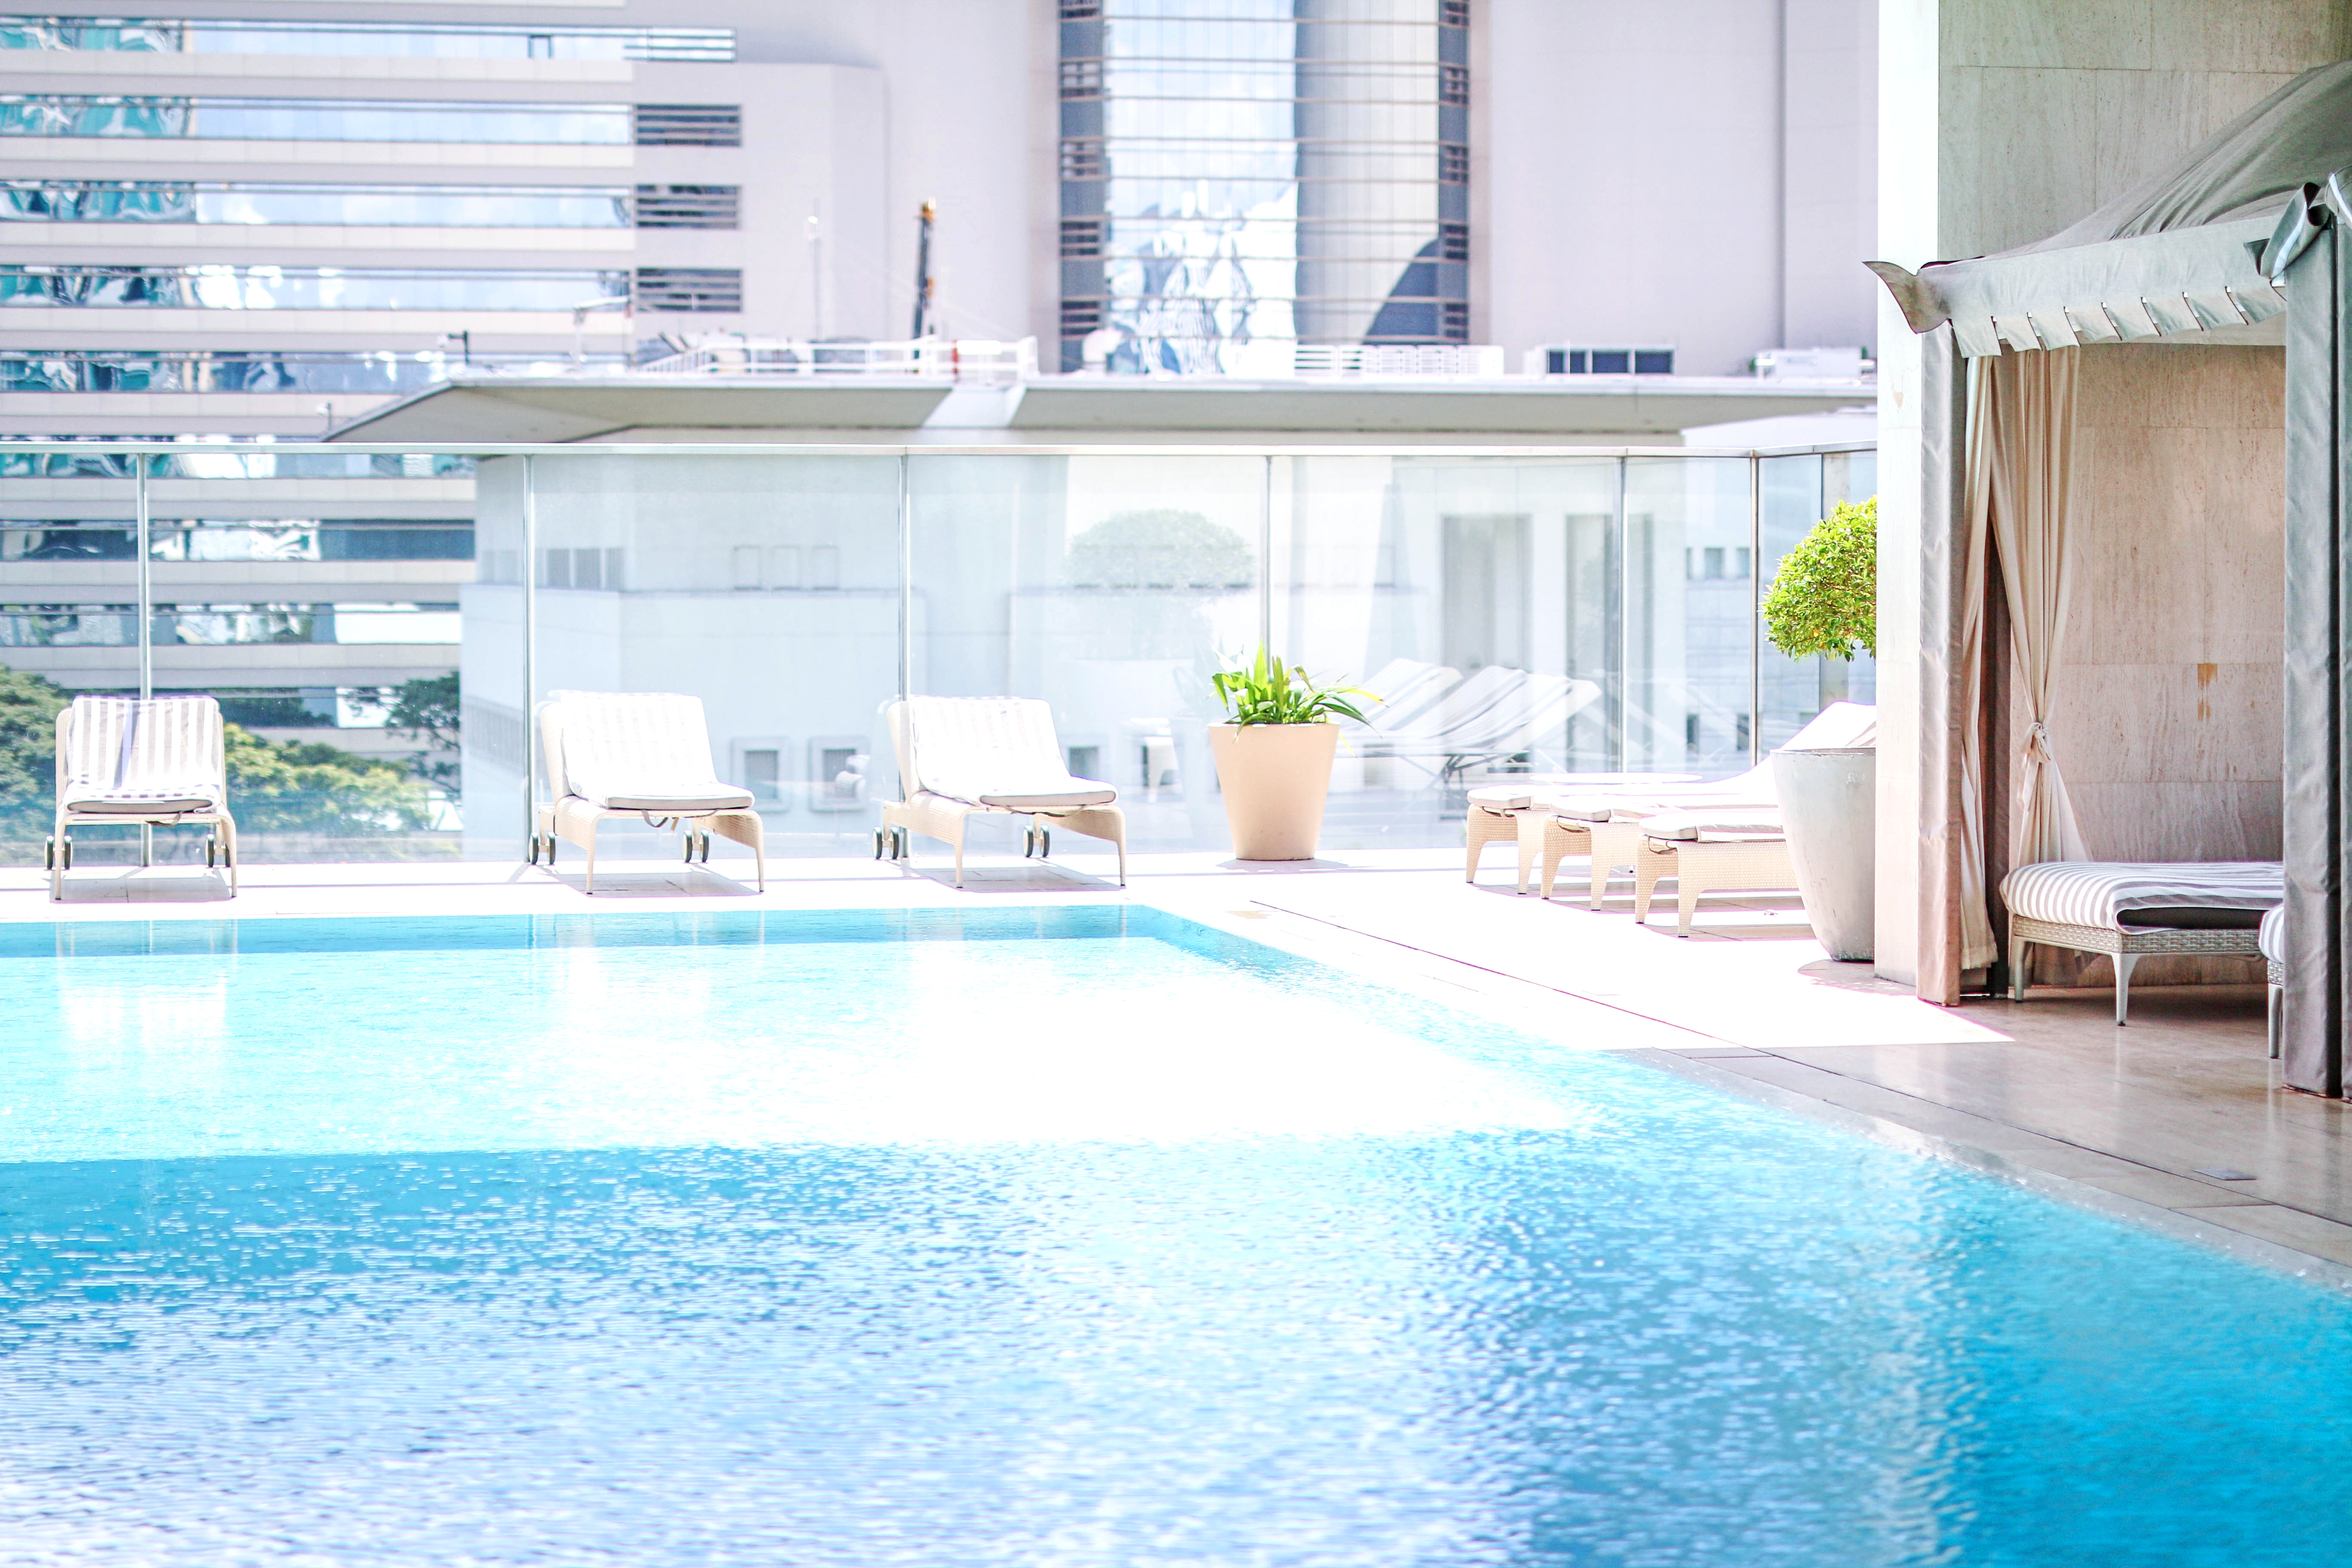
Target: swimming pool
[[1080, 1236]]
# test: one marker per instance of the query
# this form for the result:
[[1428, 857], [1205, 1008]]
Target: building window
[[1453, 12], [1082, 238], [1454, 324], [1080, 317], [1452, 164], [310, 119], [688, 206], [1082, 79], [1081, 10], [695, 290], [207, 285], [1608, 362], [1083, 160], [688, 124], [1454, 241], [1454, 84]]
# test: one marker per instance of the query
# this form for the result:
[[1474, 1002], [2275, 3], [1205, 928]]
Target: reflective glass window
[[444, 40], [1259, 173], [223, 287], [183, 201], [312, 119], [266, 539], [217, 625]]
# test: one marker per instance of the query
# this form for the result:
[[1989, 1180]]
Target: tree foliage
[[425, 709], [1824, 599], [1163, 548], [295, 787]]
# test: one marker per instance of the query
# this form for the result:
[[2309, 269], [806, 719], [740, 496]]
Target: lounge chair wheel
[[64, 854], [49, 855], [1044, 844], [211, 852], [878, 838]]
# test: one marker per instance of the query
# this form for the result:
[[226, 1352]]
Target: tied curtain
[[2021, 450]]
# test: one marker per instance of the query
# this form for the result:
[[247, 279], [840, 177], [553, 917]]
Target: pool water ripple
[[1082, 1238]]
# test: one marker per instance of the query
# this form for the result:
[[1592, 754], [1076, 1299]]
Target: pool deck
[[2139, 1121]]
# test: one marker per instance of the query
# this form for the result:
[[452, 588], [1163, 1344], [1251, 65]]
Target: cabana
[[2111, 579]]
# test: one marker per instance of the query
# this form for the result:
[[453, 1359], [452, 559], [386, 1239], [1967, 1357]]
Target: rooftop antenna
[[923, 270]]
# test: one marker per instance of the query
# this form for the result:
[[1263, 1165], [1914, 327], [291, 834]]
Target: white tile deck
[[2050, 1092]]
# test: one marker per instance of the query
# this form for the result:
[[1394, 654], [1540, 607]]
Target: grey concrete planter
[[1829, 801]]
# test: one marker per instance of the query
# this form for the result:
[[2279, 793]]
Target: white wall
[[1630, 178]]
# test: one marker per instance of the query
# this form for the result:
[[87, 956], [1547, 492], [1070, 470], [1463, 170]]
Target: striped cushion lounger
[[1709, 852], [156, 761], [2272, 940], [2130, 910], [637, 753]]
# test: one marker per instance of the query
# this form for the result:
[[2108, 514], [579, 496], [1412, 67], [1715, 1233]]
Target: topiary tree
[[1163, 548], [1824, 599]]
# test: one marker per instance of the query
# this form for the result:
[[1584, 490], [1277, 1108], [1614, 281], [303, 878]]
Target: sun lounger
[[641, 755], [1497, 712], [154, 762], [960, 757], [2271, 939], [1605, 824], [1710, 852], [2128, 911]]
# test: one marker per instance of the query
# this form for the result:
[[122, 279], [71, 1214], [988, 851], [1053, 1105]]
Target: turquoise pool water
[[1073, 1237]]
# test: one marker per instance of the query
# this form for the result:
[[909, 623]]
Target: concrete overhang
[[1566, 405], [583, 407], [1089, 408]]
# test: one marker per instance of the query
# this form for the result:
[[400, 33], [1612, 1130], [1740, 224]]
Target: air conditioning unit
[[1810, 364]]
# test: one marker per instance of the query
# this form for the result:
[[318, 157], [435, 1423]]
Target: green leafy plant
[[426, 709], [1824, 599], [1268, 691]]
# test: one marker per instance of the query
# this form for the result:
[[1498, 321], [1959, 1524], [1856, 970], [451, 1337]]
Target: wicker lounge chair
[[1606, 824], [1709, 852], [642, 754], [960, 757], [2130, 910], [156, 762]]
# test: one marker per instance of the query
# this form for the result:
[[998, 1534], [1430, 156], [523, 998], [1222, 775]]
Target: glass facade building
[[1240, 176]]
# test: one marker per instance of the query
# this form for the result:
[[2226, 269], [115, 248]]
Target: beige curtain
[[2020, 452]]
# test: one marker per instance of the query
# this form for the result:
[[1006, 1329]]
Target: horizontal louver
[[689, 125], [688, 206], [690, 289]]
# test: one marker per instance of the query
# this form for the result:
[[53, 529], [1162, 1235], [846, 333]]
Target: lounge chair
[[1718, 851], [2271, 939], [156, 762], [2130, 910], [1497, 712], [960, 757], [641, 755], [1607, 824]]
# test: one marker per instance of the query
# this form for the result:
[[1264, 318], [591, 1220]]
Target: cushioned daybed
[[2129, 910]]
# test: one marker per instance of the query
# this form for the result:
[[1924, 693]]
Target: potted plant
[[1824, 602], [1274, 755]]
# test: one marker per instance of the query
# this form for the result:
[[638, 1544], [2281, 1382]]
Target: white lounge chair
[[2128, 910], [126, 761], [642, 754], [1606, 824], [960, 757]]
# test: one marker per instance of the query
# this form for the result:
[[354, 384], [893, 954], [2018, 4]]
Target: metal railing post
[[146, 633], [1755, 609], [1266, 558], [529, 642], [906, 580]]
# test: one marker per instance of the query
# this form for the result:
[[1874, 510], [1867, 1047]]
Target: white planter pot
[[1274, 778], [1829, 801]]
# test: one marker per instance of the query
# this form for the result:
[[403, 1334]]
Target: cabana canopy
[[2184, 252], [2244, 241]]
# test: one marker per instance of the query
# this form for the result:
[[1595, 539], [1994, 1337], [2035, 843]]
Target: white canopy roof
[[2179, 254]]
